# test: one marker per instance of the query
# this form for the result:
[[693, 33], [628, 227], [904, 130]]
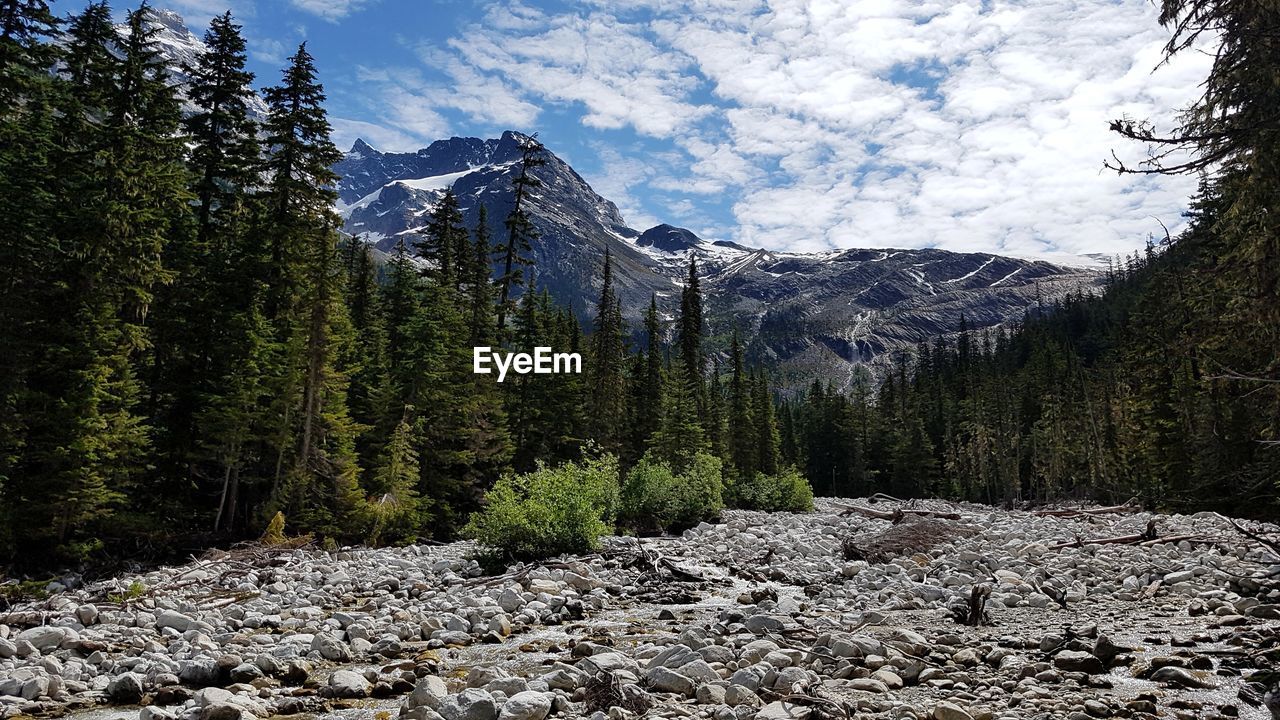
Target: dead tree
[[974, 612]]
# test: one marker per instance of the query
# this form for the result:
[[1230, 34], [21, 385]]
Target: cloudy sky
[[974, 125]]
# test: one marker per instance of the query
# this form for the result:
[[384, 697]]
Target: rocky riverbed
[[765, 616]]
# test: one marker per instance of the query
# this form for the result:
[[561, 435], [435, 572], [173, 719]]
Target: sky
[[802, 125]]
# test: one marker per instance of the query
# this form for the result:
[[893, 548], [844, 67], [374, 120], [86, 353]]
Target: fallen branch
[[894, 516], [1129, 506]]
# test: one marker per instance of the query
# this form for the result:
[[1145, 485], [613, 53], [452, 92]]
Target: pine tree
[[649, 376], [320, 483], [90, 446], [444, 239], [691, 331], [28, 204], [200, 314], [27, 52], [397, 511], [608, 385], [679, 436], [299, 194], [766, 427], [480, 296], [513, 255], [743, 433]]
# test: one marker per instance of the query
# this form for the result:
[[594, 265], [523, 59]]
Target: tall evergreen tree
[[607, 382], [743, 434], [513, 255], [691, 332], [319, 483]]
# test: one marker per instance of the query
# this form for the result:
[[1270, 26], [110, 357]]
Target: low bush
[[788, 491], [655, 499], [548, 512]]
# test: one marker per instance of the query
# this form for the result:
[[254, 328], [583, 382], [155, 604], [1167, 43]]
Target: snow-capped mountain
[[823, 315], [826, 315]]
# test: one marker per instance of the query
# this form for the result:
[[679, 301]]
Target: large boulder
[[47, 638], [667, 680], [331, 648], [173, 619], [126, 689], [348, 684], [527, 705], [470, 704]]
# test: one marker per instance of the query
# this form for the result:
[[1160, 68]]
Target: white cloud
[[331, 10], [968, 124]]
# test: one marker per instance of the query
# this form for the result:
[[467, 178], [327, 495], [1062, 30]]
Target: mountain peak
[[171, 20], [360, 147], [668, 238]]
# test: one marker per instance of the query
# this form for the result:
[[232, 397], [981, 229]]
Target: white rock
[[527, 705]]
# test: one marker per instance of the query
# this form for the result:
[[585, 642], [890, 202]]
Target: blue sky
[[972, 125]]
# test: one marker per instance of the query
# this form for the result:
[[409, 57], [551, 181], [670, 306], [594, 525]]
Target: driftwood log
[[895, 516], [1129, 506], [1147, 538]]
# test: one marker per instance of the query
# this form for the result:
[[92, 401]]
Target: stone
[[950, 711], [151, 712], [36, 687], [126, 689], [245, 673], [711, 695], [87, 614], [736, 695], [1078, 661], [890, 679], [470, 704], [330, 648], [1182, 677], [1106, 650], [665, 679], [46, 638], [173, 619], [200, 671], [783, 711], [223, 711], [761, 624], [429, 691], [297, 672], [526, 705], [510, 600], [348, 684], [607, 662], [868, 685]]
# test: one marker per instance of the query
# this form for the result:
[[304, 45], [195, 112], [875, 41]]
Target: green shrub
[[655, 499], [788, 491], [548, 512], [794, 492], [648, 499], [701, 492]]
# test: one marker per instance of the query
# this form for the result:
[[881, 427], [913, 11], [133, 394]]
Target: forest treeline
[[191, 346], [1164, 387]]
